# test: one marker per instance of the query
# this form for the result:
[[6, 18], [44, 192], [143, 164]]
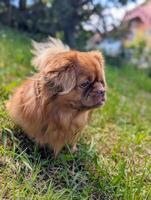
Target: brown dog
[[53, 106]]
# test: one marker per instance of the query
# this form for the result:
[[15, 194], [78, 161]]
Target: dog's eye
[[85, 84], [51, 84]]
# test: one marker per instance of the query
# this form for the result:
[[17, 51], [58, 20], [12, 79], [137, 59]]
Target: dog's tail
[[44, 51]]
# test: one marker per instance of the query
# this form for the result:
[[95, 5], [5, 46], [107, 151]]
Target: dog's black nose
[[101, 92]]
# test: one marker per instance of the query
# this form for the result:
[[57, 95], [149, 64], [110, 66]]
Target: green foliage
[[140, 53], [113, 160], [55, 17]]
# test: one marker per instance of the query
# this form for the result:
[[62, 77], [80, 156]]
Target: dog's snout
[[99, 89], [101, 92]]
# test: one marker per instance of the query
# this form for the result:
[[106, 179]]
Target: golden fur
[[51, 106]]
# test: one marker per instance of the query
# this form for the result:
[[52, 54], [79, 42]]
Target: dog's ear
[[61, 81], [98, 55]]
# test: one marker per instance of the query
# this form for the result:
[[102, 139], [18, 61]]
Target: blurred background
[[114, 157], [121, 28]]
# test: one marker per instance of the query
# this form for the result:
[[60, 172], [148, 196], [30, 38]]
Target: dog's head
[[75, 79]]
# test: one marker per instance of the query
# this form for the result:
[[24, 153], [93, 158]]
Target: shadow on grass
[[79, 174]]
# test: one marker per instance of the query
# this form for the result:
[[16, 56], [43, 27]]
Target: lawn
[[114, 157]]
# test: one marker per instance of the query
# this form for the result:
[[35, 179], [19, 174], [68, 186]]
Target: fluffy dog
[[54, 105]]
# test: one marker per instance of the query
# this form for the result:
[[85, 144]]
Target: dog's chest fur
[[64, 126], [57, 127]]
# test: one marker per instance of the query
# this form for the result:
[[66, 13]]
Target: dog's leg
[[74, 148]]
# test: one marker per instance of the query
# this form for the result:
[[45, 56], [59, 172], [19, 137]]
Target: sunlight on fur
[[54, 105]]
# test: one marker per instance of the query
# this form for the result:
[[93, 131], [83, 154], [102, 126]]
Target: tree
[[50, 17], [71, 14], [22, 4]]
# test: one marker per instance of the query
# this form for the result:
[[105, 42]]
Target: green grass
[[113, 161]]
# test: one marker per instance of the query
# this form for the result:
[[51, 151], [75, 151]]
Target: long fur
[[46, 50], [41, 104]]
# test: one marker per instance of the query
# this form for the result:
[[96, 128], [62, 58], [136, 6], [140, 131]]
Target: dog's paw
[[74, 148]]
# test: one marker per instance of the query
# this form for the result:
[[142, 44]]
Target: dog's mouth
[[96, 102], [88, 103]]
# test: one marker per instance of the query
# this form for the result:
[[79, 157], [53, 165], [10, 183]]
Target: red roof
[[143, 12]]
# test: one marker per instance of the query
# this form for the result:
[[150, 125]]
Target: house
[[109, 45], [94, 41], [138, 21], [136, 28]]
